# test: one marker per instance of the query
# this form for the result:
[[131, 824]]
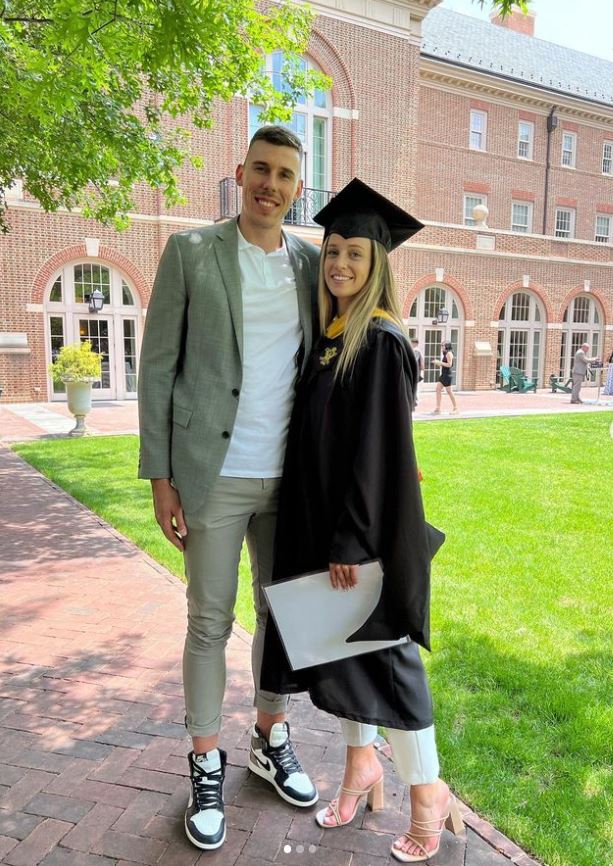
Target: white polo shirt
[[271, 338]]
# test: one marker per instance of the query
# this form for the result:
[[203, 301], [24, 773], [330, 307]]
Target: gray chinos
[[236, 509]]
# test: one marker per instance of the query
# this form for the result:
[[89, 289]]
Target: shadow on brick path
[[92, 745]]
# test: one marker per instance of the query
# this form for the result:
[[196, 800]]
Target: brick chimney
[[516, 20]]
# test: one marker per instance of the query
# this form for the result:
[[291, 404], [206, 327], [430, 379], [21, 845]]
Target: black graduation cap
[[358, 211]]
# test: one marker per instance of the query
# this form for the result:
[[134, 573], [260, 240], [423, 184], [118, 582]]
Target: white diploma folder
[[314, 620]]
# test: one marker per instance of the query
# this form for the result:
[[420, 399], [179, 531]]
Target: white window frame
[[474, 113], [571, 226], [600, 237], [607, 157], [514, 224], [468, 220], [572, 150], [529, 141], [310, 111]]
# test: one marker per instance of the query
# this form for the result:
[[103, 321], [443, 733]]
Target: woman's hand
[[343, 576], [437, 362]]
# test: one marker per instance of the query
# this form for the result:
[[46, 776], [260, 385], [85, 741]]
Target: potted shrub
[[77, 366]]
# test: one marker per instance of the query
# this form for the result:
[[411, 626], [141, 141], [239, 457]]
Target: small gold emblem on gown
[[331, 352]]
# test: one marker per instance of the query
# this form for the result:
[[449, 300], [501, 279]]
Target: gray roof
[[464, 41]]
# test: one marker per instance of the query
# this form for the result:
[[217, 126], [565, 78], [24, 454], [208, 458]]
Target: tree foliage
[[87, 88]]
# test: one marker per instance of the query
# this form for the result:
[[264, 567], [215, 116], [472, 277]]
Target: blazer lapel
[[302, 273], [226, 251]]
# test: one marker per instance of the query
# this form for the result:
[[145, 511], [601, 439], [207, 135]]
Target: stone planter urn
[[79, 393], [77, 366]]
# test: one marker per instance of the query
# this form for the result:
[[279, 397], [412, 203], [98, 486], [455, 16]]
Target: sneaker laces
[[207, 790], [286, 757]]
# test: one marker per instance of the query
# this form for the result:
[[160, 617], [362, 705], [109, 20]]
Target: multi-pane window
[[565, 222], [520, 334], [56, 295], [569, 149], [310, 121], [56, 341], [478, 129], [525, 139], [471, 201], [521, 217], [126, 295], [88, 277], [607, 157], [434, 300], [582, 324], [603, 229]]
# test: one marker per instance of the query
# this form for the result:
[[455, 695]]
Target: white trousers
[[415, 754]]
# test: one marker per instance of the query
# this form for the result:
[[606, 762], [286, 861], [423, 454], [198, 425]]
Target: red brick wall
[[410, 140]]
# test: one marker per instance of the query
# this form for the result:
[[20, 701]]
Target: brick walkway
[[92, 748]]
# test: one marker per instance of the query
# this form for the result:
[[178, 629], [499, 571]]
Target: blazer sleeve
[[161, 355]]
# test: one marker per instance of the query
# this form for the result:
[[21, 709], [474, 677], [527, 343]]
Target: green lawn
[[521, 611]]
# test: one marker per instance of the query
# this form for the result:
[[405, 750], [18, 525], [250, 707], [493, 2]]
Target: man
[[228, 327], [420, 367], [579, 371]]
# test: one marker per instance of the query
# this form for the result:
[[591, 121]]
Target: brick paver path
[[92, 746]]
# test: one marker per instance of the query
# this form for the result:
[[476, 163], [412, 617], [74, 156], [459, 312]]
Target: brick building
[[440, 111]]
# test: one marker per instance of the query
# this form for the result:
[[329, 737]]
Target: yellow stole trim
[[337, 326]]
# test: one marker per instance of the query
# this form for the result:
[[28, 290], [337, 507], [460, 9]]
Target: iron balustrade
[[301, 212]]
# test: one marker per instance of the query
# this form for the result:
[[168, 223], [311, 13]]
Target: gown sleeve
[[383, 513]]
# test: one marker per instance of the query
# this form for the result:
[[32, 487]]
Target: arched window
[[422, 323], [311, 122], [582, 323], [521, 333], [114, 331]]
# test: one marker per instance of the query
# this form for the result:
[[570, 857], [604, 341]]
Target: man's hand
[[343, 576], [168, 511]]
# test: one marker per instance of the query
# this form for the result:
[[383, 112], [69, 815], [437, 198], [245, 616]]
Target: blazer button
[[235, 392], [225, 434]]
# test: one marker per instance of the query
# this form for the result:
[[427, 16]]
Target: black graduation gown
[[350, 493]]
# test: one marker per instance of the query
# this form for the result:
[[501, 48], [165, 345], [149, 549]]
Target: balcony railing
[[301, 212]]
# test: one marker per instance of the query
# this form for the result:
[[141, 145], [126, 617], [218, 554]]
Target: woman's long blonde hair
[[379, 291]]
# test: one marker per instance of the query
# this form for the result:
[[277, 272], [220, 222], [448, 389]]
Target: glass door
[[99, 331], [433, 338]]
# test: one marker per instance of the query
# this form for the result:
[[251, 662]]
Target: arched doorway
[[521, 334], [114, 331], [422, 323], [582, 323]]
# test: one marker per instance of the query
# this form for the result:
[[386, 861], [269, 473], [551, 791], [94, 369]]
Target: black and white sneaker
[[276, 761], [205, 822]]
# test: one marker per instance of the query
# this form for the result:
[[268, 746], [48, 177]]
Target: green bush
[[76, 363]]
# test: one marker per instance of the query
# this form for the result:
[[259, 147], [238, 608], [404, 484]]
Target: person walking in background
[[608, 385], [444, 380], [229, 324], [420, 367], [579, 370]]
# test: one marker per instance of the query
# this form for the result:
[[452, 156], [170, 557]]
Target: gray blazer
[[191, 360]]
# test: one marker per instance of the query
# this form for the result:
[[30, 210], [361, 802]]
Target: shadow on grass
[[529, 743]]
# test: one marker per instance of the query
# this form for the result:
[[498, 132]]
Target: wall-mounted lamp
[[441, 317], [96, 301]]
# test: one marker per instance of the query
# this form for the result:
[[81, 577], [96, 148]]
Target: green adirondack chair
[[521, 382], [505, 378]]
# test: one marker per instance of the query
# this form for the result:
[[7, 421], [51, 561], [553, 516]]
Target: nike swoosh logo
[[264, 764]]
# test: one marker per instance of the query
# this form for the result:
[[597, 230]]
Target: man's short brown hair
[[279, 135]]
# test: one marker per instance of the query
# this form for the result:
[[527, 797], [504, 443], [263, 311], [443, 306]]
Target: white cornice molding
[[400, 18], [446, 76], [498, 254]]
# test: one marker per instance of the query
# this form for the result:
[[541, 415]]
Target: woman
[[444, 380], [608, 385], [350, 493]]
